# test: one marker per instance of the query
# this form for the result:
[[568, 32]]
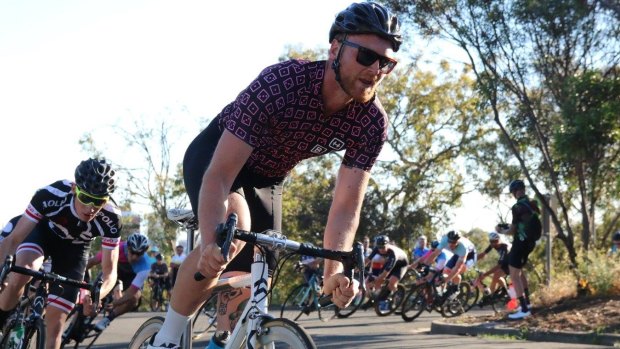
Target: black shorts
[[68, 260], [263, 195], [503, 264], [519, 253], [399, 270], [452, 261]]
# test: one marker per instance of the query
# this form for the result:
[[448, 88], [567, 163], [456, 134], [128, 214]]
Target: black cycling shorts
[[399, 270], [263, 195], [519, 253], [452, 261], [68, 260]]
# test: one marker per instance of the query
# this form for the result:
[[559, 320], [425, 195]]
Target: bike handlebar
[[276, 241], [94, 288]]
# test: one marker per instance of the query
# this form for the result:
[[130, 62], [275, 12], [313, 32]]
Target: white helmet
[[137, 243], [493, 236]]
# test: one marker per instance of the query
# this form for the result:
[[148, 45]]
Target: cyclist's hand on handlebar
[[341, 288], [211, 262]]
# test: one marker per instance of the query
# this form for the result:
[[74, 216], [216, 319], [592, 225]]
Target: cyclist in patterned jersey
[[499, 270], [292, 111], [464, 257], [395, 265], [132, 270], [61, 221]]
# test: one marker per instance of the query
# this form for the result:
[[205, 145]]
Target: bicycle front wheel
[[148, 329], [296, 302], [205, 321], [352, 308], [284, 334], [71, 330], [385, 306], [414, 303], [34, 336]]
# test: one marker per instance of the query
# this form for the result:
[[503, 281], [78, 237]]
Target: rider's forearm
[[339, 235], [211, 208]]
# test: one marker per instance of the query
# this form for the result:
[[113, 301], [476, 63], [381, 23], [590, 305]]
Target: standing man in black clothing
[[526, 229]]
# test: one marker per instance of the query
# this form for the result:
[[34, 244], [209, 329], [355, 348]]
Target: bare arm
[[344, 213], [23, 227], [108, 265], [229, 157]]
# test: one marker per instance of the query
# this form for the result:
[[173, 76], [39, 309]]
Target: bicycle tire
[[205, 319], [352, 308], [414, 303], [155, 298], [35, 331], [393, 302], [147, 330], [456, 306], [472, 297], [68, 335], [500, 299], [293, 306], [281, 334]]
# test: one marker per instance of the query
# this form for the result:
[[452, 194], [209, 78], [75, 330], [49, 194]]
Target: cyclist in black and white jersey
[[61, 221], [395, 265], [500, 269]]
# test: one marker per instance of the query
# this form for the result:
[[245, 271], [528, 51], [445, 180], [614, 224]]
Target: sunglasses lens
[[366, 57], [89, 200]]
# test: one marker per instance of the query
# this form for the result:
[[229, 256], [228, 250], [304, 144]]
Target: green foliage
[[548, 71]]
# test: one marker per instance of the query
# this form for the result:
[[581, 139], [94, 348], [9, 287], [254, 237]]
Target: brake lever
[[224, 235]]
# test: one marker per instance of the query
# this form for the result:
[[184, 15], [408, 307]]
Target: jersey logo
[[318, 149], [336, 144]]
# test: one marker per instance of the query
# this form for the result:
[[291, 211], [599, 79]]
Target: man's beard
[[348, 85]]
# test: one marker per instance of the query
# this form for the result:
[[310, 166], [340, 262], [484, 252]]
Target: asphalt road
[[362, 330]]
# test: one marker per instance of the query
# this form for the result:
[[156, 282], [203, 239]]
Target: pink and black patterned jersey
[[54, 203], [280, 114]]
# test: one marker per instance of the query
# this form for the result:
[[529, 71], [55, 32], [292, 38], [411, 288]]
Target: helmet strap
[[336, 64]]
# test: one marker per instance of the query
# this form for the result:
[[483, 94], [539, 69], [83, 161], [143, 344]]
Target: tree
[[524, 55], [152, 179]]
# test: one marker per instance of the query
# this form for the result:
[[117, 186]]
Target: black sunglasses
[[367, 57]]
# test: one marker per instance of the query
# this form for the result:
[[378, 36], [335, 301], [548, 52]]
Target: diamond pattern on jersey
[[280, 114]]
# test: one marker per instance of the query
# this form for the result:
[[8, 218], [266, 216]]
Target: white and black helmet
[[493, 236], [137, 243], [96, 177]]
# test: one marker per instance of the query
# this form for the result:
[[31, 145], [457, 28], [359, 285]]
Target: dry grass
[[562, 287]]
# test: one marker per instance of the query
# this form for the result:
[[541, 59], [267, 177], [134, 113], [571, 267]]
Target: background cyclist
[[61, 221], [159, 275], [294, 110], [438, 262], [499, 270], [133, 268], [464, 257], [395, 265]]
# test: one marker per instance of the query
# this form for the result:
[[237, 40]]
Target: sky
[[72, 67]]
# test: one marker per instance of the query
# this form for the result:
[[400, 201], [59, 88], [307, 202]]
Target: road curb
[[492, 328]]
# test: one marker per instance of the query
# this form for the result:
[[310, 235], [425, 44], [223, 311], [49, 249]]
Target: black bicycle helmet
[[453, 236], [616, 236], [137, 243], [515, 185], [95, 177], [382, 240], [367, 18], [434, 244]]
